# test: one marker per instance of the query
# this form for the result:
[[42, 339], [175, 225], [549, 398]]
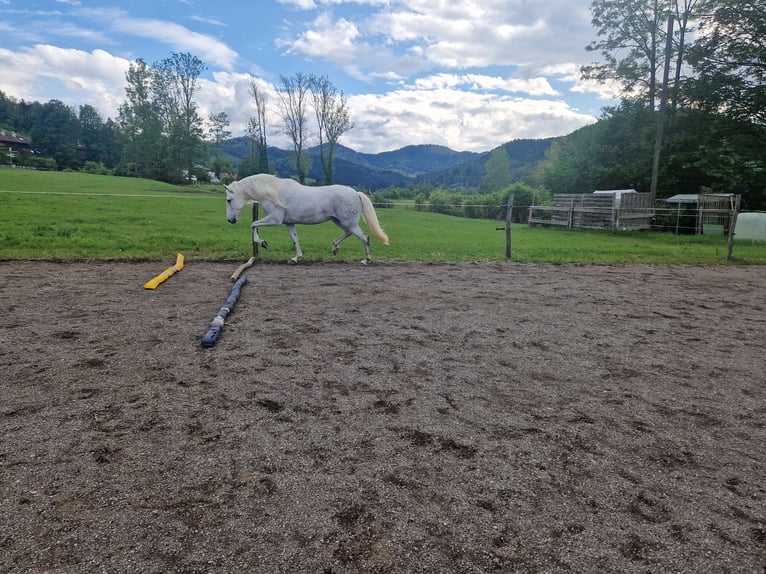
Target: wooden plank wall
[[588, 211]]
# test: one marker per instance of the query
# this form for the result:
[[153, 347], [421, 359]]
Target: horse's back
[[305, 204]]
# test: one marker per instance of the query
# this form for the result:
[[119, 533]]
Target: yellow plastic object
[[167, 273]]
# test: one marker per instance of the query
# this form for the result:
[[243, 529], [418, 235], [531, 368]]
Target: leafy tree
[[498, 168], [218, 134], [175, 82], [111, 149], [611, 154], [9, 111], [333, 120], [293, 100], [729, 59], [54, 133], [632, 39], [630, 42], [90, 137], [140, 124], [635, 49]]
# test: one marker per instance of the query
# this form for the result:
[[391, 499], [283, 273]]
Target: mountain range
[[409, 166]]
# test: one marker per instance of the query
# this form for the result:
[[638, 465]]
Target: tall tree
[[90, 140], [175, 83], [218, 134], [630, 44], [498, 169], [293, 97], [9, 111], [140, 123], [256, 128], [641, 39], [333, 120], [729, 59], [55, 130]]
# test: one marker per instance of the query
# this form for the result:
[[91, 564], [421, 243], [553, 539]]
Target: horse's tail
[[371, 218]]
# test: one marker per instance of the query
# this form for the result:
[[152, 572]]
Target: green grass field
[[48, 215]]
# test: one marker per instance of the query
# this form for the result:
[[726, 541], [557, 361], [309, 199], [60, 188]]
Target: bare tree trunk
[[293, 101]]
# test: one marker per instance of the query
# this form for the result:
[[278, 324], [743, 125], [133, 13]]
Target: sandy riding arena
[[418, 418]]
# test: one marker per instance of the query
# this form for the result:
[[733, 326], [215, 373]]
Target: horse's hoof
[[293, 260], [264, 245], [365, 261]]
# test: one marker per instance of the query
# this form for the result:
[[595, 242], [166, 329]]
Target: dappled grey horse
[[287, 202]]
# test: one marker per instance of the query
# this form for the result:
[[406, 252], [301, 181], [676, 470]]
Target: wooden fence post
[[508, 218], [255, 218], [733, 214]]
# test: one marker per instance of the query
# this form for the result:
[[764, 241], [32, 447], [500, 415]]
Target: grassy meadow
[[49, 215]]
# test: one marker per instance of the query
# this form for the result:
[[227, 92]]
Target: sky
[[466, 74]]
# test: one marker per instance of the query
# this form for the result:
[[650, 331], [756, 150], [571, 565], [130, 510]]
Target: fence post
[[508, 217], [255, 218], [733, 214]]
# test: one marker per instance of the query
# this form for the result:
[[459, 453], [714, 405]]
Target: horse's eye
[[228, 200]]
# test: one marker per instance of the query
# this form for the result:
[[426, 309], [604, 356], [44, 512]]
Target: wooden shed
[[623, 209]]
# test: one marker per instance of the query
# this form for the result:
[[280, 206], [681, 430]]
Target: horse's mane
[[262, 187]]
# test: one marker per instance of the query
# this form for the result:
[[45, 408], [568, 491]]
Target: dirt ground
[[476, 417]]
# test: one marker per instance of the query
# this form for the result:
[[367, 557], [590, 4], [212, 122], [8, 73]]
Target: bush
[[96, 168]]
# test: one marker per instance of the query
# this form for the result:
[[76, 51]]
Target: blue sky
[[469, 75]]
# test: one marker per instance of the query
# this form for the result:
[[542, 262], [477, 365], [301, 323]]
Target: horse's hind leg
[[365, 239], [294, 236], [337, 242]]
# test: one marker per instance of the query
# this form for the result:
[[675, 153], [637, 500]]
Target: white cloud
[[299, 4], [479, 82], [96, 78], [422, 34], [314, 41], [469, 75], [180, 38], [457, 119]]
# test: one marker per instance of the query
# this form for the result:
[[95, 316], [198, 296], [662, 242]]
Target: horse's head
[[234, 204]]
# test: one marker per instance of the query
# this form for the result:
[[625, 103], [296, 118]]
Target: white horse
[[287, 202]]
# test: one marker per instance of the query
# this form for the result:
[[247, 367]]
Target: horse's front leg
[[269, 220], [294, 236], [257, 240]]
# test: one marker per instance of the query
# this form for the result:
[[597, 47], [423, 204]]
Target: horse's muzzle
[[232, 220]]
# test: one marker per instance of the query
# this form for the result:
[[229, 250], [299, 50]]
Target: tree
[[256, 129], [610, 154], [218, 134], [54, 133], [631, 35], [90, 139], [635, 49], [217, 131], [9, 111], [333, 120], [498, 168], [293, 99], [632, 44], [175, 83], [140, 124], [729, 59]]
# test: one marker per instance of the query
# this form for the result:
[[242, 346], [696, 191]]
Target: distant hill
[[409, 166], [522, 154]]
